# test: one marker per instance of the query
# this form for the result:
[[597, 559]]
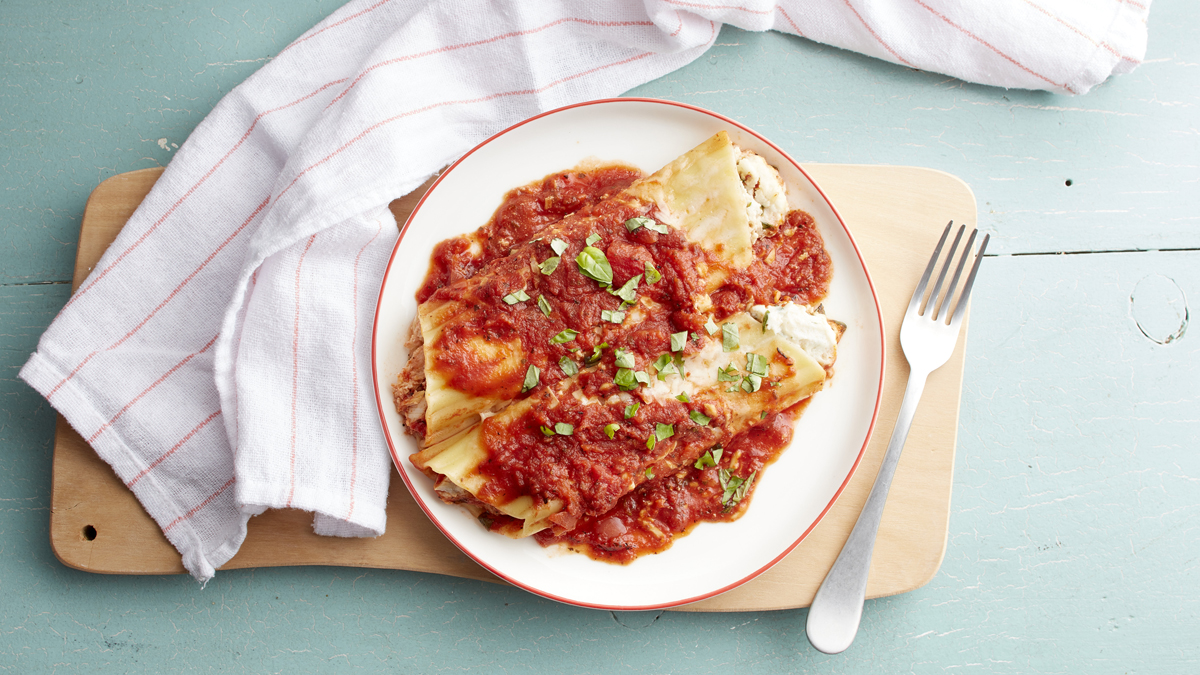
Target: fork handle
[[837, 608]]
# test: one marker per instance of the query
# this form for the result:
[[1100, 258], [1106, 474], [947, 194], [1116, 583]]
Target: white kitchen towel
[[218, 355]]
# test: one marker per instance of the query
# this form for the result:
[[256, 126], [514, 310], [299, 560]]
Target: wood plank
[[896, 214]]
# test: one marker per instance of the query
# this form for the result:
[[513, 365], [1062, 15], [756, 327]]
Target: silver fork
[[927, 335]]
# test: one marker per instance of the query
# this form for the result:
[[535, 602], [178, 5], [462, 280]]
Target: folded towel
[[218, 356]]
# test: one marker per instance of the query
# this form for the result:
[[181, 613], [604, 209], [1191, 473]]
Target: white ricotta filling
[[767, 197], [700, 372], [808, 331]]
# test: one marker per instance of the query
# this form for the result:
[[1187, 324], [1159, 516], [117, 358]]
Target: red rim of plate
[[664, 605]]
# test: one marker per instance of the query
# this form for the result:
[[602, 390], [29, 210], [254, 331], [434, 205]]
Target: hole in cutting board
[[89, 533]]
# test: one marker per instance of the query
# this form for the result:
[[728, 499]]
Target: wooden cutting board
[[896, 215]]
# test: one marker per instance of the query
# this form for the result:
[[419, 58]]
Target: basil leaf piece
[[631, 409], [678, 340], [514, 298], [612, 316], [624, 358], [633, 224], [729, 337], [756, 364], [728, 374], [628, 292], [666, 370], [683, 398], [547, 431], [597, 352], [699, 418], [531, 379], [611, 430], [766, 315], [657, 227], [558, 245], [564, 429], [650, 442], [641, 376], [652, 275], [649, 473], [592, 238], [664, 431], [625, 379], [662, 361], [563, 337], [593, 264], [549, 265], [710, 326], [735, 488], [751, 383], [568, 366], [544, 306], [762, 415], [696, 336], [710, 458]]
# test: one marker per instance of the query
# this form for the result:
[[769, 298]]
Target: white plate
[[791, 496]]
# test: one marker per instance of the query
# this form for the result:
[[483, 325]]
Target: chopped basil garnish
[[611, 430], [650, 442], [633, 224], [597, 351], [678, 340], [550, 265], [652, 275], [735, 488], [568, 366], [699, 417], [764, 321], [544, 306], [751, 383], [756, 364], [624, 358], [710, 458], [729, 337], [558, 245], [657, 227], [668, 369], [696, 336], [564, 429], [612, 316], [683, 397], [641, 376], [547, 430], [593, 264], [728, 374], [662, 361], [628, 292], [631, 409], [664, 431], [531, 379], [625, 379], [710, 326], [592, 238], [762, 415], [649, 472], [563, 337], [514, 298]]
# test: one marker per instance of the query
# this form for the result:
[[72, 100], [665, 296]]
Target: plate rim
[[398, 465]]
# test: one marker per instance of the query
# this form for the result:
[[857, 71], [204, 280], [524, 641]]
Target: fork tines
[[937, 302]]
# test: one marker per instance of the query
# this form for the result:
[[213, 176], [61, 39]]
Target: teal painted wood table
[[1074, 536]]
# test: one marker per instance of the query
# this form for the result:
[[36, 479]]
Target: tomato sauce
[[590, 472], [507, 329], [524, 212]]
